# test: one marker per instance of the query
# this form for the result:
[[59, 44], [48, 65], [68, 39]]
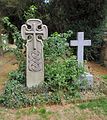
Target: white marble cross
[[80, 43]]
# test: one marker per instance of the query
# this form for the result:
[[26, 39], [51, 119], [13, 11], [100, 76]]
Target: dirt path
[[97, 69]]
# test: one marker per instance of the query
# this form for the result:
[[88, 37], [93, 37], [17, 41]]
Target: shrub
[[14, 95], [80, 15], [18, 76], [56, 46], [61, 76], [13, 30], [61, 68]]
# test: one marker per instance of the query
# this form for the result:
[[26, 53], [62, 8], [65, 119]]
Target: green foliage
[[14, 95], [44, 113], [31, 13], [14, 9], [60, 15], [71, 12], [4, 41], [61, 69], [96, 105], [18, 76], [13, 30], [104, 77], [80, 15], [61, 76], [56, 46], [103, 86]]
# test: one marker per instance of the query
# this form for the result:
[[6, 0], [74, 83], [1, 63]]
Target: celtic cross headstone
[[34, 32]]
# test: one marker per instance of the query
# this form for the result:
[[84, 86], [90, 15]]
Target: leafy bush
[[18, 76], [73, 14], [14, 95], [56, 46], [61, 68], [31, 13], [13, 30], [3, 42], [61, 76]]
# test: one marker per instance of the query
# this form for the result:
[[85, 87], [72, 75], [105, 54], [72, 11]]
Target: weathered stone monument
[[34, 32], [80, 43]]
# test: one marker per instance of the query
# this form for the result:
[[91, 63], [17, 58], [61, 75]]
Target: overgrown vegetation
[[61, 16], [13, 31], [61, 70], [61, 77], [80, 15]]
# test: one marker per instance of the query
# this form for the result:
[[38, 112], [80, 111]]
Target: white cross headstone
[[80, 43], [34, 32]]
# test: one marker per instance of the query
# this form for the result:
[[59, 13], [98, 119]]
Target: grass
[[99, 106], [38, 113], [70, 112], [104, 77]]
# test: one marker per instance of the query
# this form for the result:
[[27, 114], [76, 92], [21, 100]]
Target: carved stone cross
[[80, 42], [34, 32]]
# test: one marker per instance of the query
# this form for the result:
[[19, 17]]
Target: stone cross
[[80, 43], [34, 32]]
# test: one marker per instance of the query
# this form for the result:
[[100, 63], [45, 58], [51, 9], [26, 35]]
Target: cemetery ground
[[78, 110]]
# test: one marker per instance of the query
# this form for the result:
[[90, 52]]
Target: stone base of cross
[[80, 43]]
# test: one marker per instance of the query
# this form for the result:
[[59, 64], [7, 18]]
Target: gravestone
[[80, 43], [34, 32]]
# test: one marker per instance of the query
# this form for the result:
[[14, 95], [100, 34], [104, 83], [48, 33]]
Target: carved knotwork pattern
[[35, 61]]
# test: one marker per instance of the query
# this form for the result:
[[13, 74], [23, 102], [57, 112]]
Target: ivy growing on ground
[[61, 76], [61, 72]]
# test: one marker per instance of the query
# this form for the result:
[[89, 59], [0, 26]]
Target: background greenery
[[61, 16], [61, 69]]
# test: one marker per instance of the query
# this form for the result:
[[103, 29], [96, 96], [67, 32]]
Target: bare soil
[[96, 69], [8, 63]]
